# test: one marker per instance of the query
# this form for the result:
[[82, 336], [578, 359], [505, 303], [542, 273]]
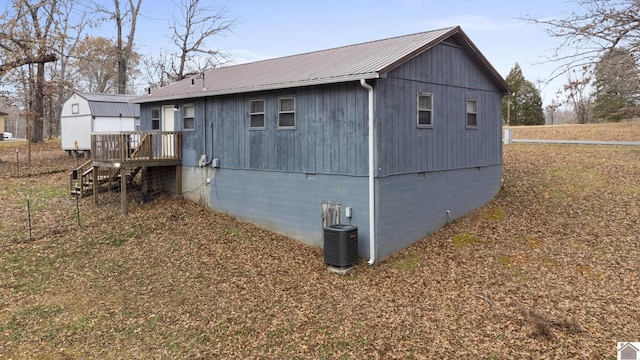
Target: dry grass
[[623, 131], [548, 269]]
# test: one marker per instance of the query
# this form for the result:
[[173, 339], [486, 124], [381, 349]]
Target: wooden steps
[[81, 180]]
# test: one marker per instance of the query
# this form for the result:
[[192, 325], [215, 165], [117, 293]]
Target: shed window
[[75, 108], [155, 119], [286, 112], [425, 110], [256, 114], [188, 120], [472, 113]]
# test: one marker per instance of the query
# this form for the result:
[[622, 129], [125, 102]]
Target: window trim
[[184, 117], [280, 111], [157, 119], [75, 108], [466, 104], [430, 110], [263, 113]]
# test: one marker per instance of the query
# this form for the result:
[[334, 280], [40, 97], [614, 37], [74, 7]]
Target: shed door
[[168, 124]]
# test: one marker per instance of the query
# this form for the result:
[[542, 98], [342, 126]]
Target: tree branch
[[27, 60]]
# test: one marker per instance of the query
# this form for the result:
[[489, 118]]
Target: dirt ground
[[548, 269]]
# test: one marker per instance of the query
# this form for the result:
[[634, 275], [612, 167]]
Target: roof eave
[[324, 81]]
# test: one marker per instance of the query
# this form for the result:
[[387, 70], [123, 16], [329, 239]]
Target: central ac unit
[[340, 245]]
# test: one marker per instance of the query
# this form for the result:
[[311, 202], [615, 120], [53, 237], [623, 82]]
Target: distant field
[[624, 131], [548, 269]]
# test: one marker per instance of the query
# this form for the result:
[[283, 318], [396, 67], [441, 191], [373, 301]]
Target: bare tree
[[124, 47], [578, 96], [193, 27], [155, 68], [16, 43], [190, 33], [96, 64], [596, 28], [28, 39], [69, 27]]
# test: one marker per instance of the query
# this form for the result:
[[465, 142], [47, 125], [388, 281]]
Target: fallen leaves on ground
[[621, 131], [548, 269]]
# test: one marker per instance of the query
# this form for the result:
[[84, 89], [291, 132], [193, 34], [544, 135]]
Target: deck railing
[[127, 146]]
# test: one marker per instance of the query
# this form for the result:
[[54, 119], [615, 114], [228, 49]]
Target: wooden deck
[[134, 149], [124, 154]]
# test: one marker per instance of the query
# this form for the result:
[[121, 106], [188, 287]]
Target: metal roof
[[111, 105], [368, 60]]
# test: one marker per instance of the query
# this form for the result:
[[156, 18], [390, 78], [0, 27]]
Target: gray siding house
[[397, 137]]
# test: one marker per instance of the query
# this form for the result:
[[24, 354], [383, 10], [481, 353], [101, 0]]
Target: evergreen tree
[[524, 105], [617, 81]]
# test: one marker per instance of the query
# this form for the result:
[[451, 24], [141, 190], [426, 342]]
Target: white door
[[168, 124]]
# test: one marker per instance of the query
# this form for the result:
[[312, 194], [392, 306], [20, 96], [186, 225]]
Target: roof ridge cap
[[335, 48]]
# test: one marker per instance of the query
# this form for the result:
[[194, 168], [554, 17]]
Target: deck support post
[[123, 190], [94, 185], [179, 180]]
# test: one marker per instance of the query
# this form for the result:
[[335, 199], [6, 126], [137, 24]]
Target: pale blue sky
[[268, 29]]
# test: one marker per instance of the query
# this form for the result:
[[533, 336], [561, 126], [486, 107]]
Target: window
[[188, 120], [155, 119], [75, 108], [286, 112], [472, 113], [425, 107], [256, 114]]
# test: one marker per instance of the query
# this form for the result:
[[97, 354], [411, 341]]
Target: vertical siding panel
[[406, 131], [325, 142], [395, 101], [385, 136], [220, 134], [382, 124], [271, 124], [362, 140], [326, 132], [350, 125], [311, 131], [334, 133], [397, 128], [483, 127], [232, 141], [303, 114], [238, 132], [238, 129], [341, 123]]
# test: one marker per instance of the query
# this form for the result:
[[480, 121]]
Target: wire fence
[[36, 201]]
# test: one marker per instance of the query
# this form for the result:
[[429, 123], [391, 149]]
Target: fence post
[[507, 136], [29, 217]]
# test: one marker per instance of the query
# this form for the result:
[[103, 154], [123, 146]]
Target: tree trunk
[[38, 106]]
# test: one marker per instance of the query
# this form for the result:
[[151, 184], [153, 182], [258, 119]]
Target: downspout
[[203, 161], [372, 215]]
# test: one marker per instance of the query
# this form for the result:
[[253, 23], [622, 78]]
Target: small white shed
[[86, 113]]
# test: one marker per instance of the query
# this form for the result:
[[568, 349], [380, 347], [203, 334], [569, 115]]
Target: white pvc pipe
[[372, 203]]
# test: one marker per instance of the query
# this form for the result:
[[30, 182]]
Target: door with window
[[168, 124]]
